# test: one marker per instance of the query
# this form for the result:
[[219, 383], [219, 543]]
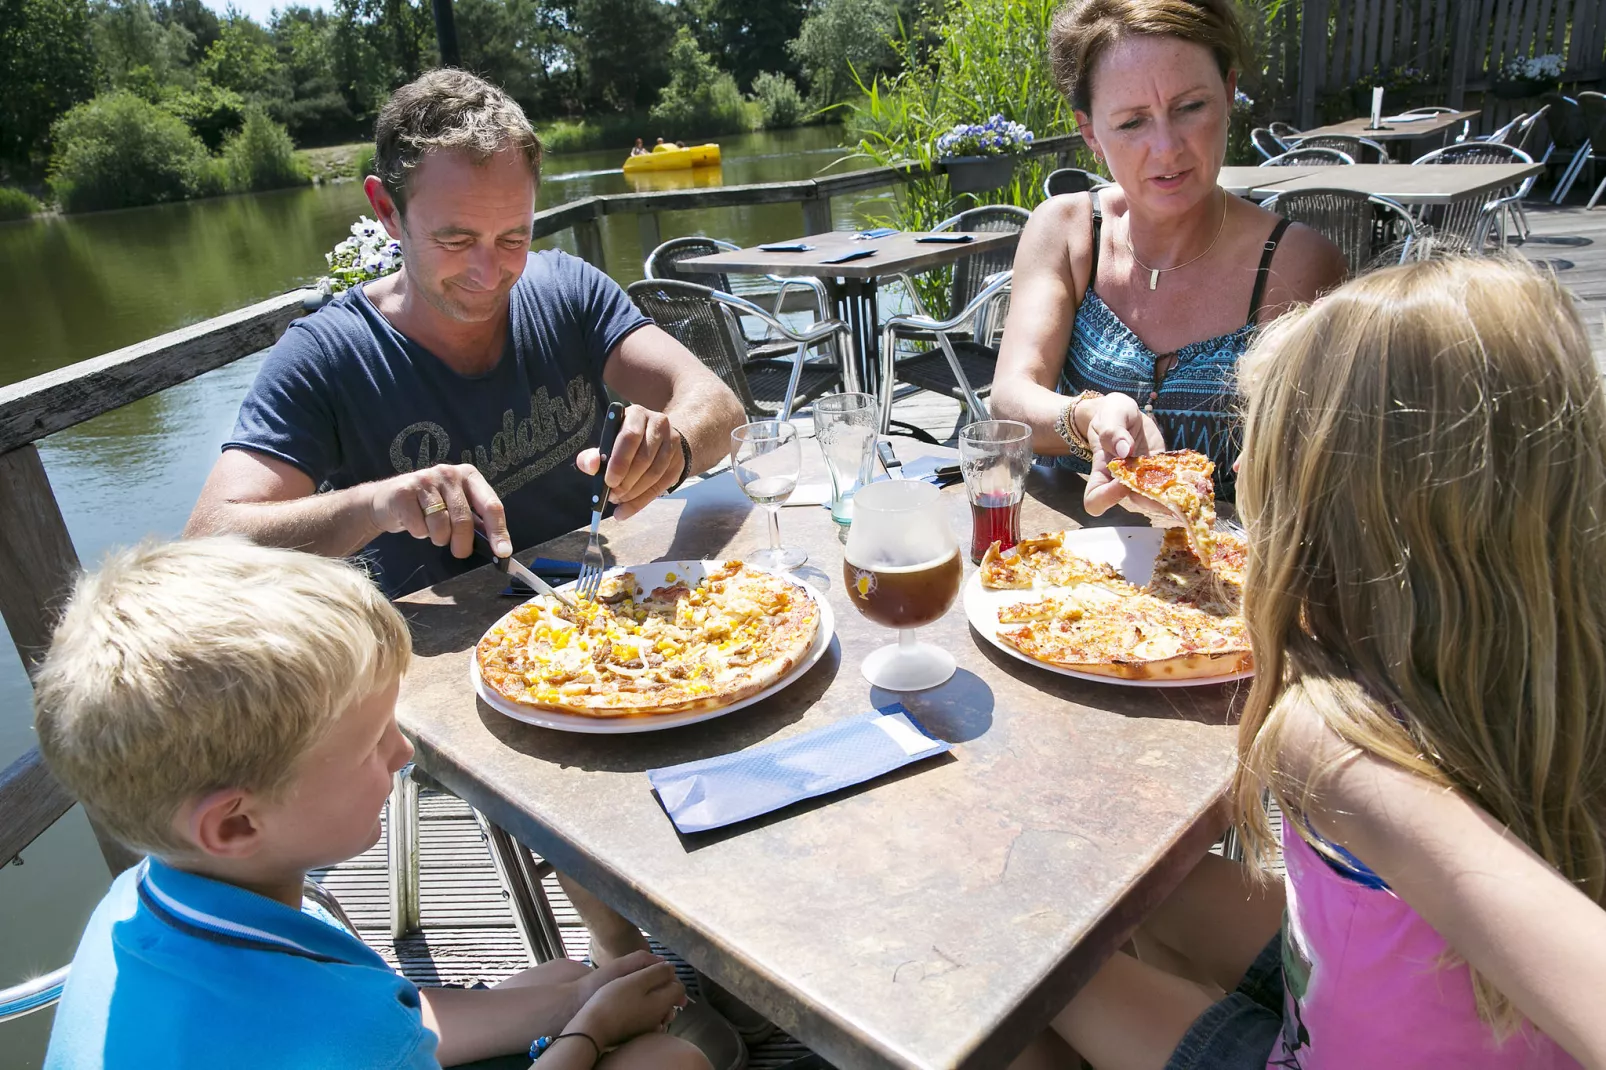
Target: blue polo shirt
[[181, 971]]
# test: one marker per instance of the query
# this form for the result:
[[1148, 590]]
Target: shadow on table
[[696, 841], [638, 752], [1212, 704], [956, 712]]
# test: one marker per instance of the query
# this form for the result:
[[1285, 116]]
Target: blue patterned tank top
[[1194, 403]]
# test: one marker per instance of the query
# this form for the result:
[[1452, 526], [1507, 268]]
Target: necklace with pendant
[[1154, 272]]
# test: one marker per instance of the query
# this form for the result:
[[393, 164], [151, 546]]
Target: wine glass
[[765, 459], [902, 569]]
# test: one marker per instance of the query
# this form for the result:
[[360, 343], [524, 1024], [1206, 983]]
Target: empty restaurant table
[[853, 283], [1402, 127], [1406, 185], [936, 917]]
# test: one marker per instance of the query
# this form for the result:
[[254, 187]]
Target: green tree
[[209, 110], [524, 46], [196, 18], [48, 66], [136, 50], [119, 151], [700, 98], [622, 47], [244, 59], [318, 113], [780, 105], [844, 42], [261, 156], [748, 38]]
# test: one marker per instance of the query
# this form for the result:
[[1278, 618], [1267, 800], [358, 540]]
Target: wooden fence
[[37, 558], [1314, 49]]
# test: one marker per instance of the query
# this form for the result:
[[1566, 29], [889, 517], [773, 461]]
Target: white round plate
[[1131, 550], [648, 577]]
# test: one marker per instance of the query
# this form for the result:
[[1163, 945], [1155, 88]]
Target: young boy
[[230, 709]]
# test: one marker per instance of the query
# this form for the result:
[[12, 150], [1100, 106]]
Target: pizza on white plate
[[1180, 481], [680, 647]]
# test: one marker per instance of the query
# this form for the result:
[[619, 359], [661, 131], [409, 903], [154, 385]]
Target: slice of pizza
[[1045, 561], [1179, 480]]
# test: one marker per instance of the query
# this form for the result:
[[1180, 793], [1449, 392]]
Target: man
[[466, 386]]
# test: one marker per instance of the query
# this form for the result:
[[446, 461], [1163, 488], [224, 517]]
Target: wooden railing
[[37, 558]]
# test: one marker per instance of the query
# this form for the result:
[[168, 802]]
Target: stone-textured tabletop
[[938, 917], [1395, 131], [1253, 181], [893, 253], [1428, 184]]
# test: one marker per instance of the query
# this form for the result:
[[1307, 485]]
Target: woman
[[1131, 304]]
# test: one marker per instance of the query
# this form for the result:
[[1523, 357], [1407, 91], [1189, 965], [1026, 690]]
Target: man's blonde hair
[[1424, 484], [182, 668]]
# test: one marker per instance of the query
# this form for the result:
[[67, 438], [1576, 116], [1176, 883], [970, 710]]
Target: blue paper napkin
[[714, 792]]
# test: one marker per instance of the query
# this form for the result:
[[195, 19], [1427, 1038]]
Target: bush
[[118, 151], [842, 43], [261, 156], [700, 98], [209, 110], [780, 105], [363, 165], [16, 204]]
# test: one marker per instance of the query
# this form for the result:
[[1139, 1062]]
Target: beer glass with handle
[[766, 461], [902, 569]]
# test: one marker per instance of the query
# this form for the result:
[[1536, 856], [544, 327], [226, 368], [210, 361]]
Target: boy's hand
[[626, 1007]]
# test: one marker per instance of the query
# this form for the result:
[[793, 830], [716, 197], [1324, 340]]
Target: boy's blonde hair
[[1424, 485], [183, 668]]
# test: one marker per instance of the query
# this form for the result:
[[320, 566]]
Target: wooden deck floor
[[468, 932]]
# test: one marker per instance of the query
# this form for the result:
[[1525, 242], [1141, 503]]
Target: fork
[[591, 565]]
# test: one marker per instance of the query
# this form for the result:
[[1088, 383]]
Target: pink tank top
[[1364, 985]]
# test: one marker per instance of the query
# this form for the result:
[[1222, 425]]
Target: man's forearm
[[335, 524], [706, 418]]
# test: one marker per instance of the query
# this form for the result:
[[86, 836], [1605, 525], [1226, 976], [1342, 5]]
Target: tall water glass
[[765, 460], [845, 425], [994, 457], [901, 568]]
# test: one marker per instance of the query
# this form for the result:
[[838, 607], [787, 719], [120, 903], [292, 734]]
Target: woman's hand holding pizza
[[1117, 427]]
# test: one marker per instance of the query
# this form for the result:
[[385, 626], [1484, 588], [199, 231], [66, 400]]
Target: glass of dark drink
[[902, 569], [994, 457]]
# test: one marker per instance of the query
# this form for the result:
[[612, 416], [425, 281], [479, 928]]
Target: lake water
[[80, 286]]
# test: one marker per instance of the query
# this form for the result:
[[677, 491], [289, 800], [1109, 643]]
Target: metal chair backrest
[[662, 260], [1368, 230], [1071, 180], [1302, 156], [1266, 143], [690, 315], [1284, 132], [1466, 222], [1523, 134], [1506, 134], [1566, 121], [1592, 109], [971, 272], [1358, 149], [1431, 109]]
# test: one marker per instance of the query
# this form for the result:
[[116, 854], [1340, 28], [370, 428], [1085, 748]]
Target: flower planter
[[1516, 88], [978, 174]]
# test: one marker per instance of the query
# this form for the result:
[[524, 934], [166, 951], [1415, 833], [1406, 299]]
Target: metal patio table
[[852, 287], [936, 918], [1390, 133], [1428, 184]]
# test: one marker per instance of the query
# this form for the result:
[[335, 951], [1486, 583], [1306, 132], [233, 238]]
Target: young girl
[[1424, 486]]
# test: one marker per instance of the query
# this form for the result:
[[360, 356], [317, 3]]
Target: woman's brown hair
[[1084, 30]]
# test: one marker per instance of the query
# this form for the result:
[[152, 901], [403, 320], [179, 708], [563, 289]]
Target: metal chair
[[1440, 109], [1470, 222], [1569, 140], [1369, 230], [1318, 157], [1593, 107], [704, 320], [662, 263], [1358, 149], [1268, 144], [1284, 132], [962, 369], [1071, 180]]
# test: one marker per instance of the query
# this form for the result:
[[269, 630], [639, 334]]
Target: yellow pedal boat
[[669, 158]]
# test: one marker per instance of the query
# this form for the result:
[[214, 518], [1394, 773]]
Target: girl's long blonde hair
[[1424, 486]]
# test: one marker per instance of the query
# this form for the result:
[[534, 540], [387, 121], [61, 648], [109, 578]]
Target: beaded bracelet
[[541, 1044], [1065, 426]]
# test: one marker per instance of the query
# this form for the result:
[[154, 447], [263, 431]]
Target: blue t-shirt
[[184, 972], [348, 399]]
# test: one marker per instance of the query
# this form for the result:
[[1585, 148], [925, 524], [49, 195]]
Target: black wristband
[[685, 469], [541, 1044]]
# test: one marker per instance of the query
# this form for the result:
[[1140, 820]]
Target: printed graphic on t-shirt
[[1297, 970], [554, 431]]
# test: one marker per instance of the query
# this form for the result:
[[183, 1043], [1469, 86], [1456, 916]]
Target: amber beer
[[905, 596]]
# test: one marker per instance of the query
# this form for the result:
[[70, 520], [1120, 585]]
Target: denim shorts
[[1238, 1032]]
